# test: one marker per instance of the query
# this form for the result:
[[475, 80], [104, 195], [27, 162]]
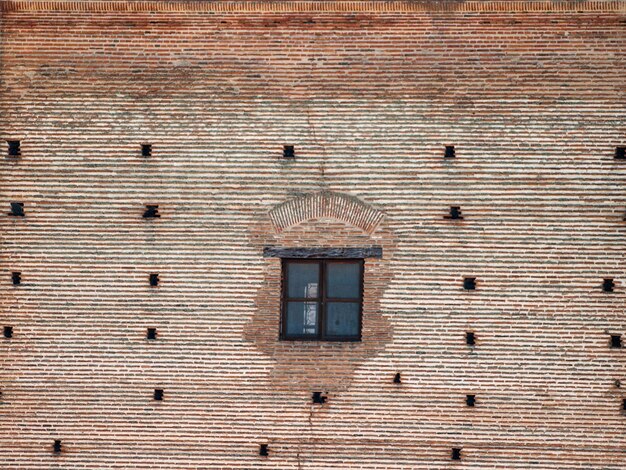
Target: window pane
[[301, 318], [343, 280], [302, 280], [342, 318]]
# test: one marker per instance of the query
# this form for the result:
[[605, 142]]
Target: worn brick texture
[[532, 96]]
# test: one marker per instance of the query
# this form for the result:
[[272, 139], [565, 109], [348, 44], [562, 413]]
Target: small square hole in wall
[[56, 447], [450, 152], [455, 213], [8, 332], [16, 277], [397, 379], [616, 341], [470, 400], [158, 394], [470, 338], [624, 404], [456, 453], [17, 209], [154, 279], [14, 148], [151, 333], [152, 211], [146, 150], [620, 152], [319, 398], [289, 152], [608, 285], [469, 283], [264, 450]]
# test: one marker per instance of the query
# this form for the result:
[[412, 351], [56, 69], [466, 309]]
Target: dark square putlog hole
[[14, 148], [456, 453], [17, 209], [158, 394], [470, 400], [16, 277], [264, 450], [470, 338], [8, 332], [608, 285], [397, 379], [154, 279], [616, 341], [152, 333], [620, 152], [152, 211], [289, 151], [57, 446], [455, 213], [319, 398], [146, 150], [469, 283], [450, 152]]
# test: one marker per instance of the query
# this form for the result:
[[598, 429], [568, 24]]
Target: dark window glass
[[302, 318], [303, 280], [342, 318], [343, 280], [322, 299]]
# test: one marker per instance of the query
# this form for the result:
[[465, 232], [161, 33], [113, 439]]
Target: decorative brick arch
[[326, 204]]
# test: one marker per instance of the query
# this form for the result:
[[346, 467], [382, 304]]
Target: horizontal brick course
[[316, 6]]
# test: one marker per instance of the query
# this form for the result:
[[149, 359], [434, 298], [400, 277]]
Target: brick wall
[[532, 96]]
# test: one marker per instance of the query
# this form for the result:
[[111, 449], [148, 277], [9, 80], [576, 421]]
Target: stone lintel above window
[[323, 252]]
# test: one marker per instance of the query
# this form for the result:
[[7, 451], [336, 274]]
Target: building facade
[[444, 183]]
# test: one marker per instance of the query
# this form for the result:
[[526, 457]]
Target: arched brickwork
[[326, 204]]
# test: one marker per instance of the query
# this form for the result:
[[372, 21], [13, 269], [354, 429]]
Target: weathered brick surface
[[532, 94]]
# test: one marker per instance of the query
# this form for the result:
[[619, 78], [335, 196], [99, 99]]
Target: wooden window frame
[[321, 300]]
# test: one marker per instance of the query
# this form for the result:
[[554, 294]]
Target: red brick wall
[[532, 95]]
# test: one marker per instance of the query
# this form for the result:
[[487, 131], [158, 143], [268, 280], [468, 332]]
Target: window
[[322, 299]]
